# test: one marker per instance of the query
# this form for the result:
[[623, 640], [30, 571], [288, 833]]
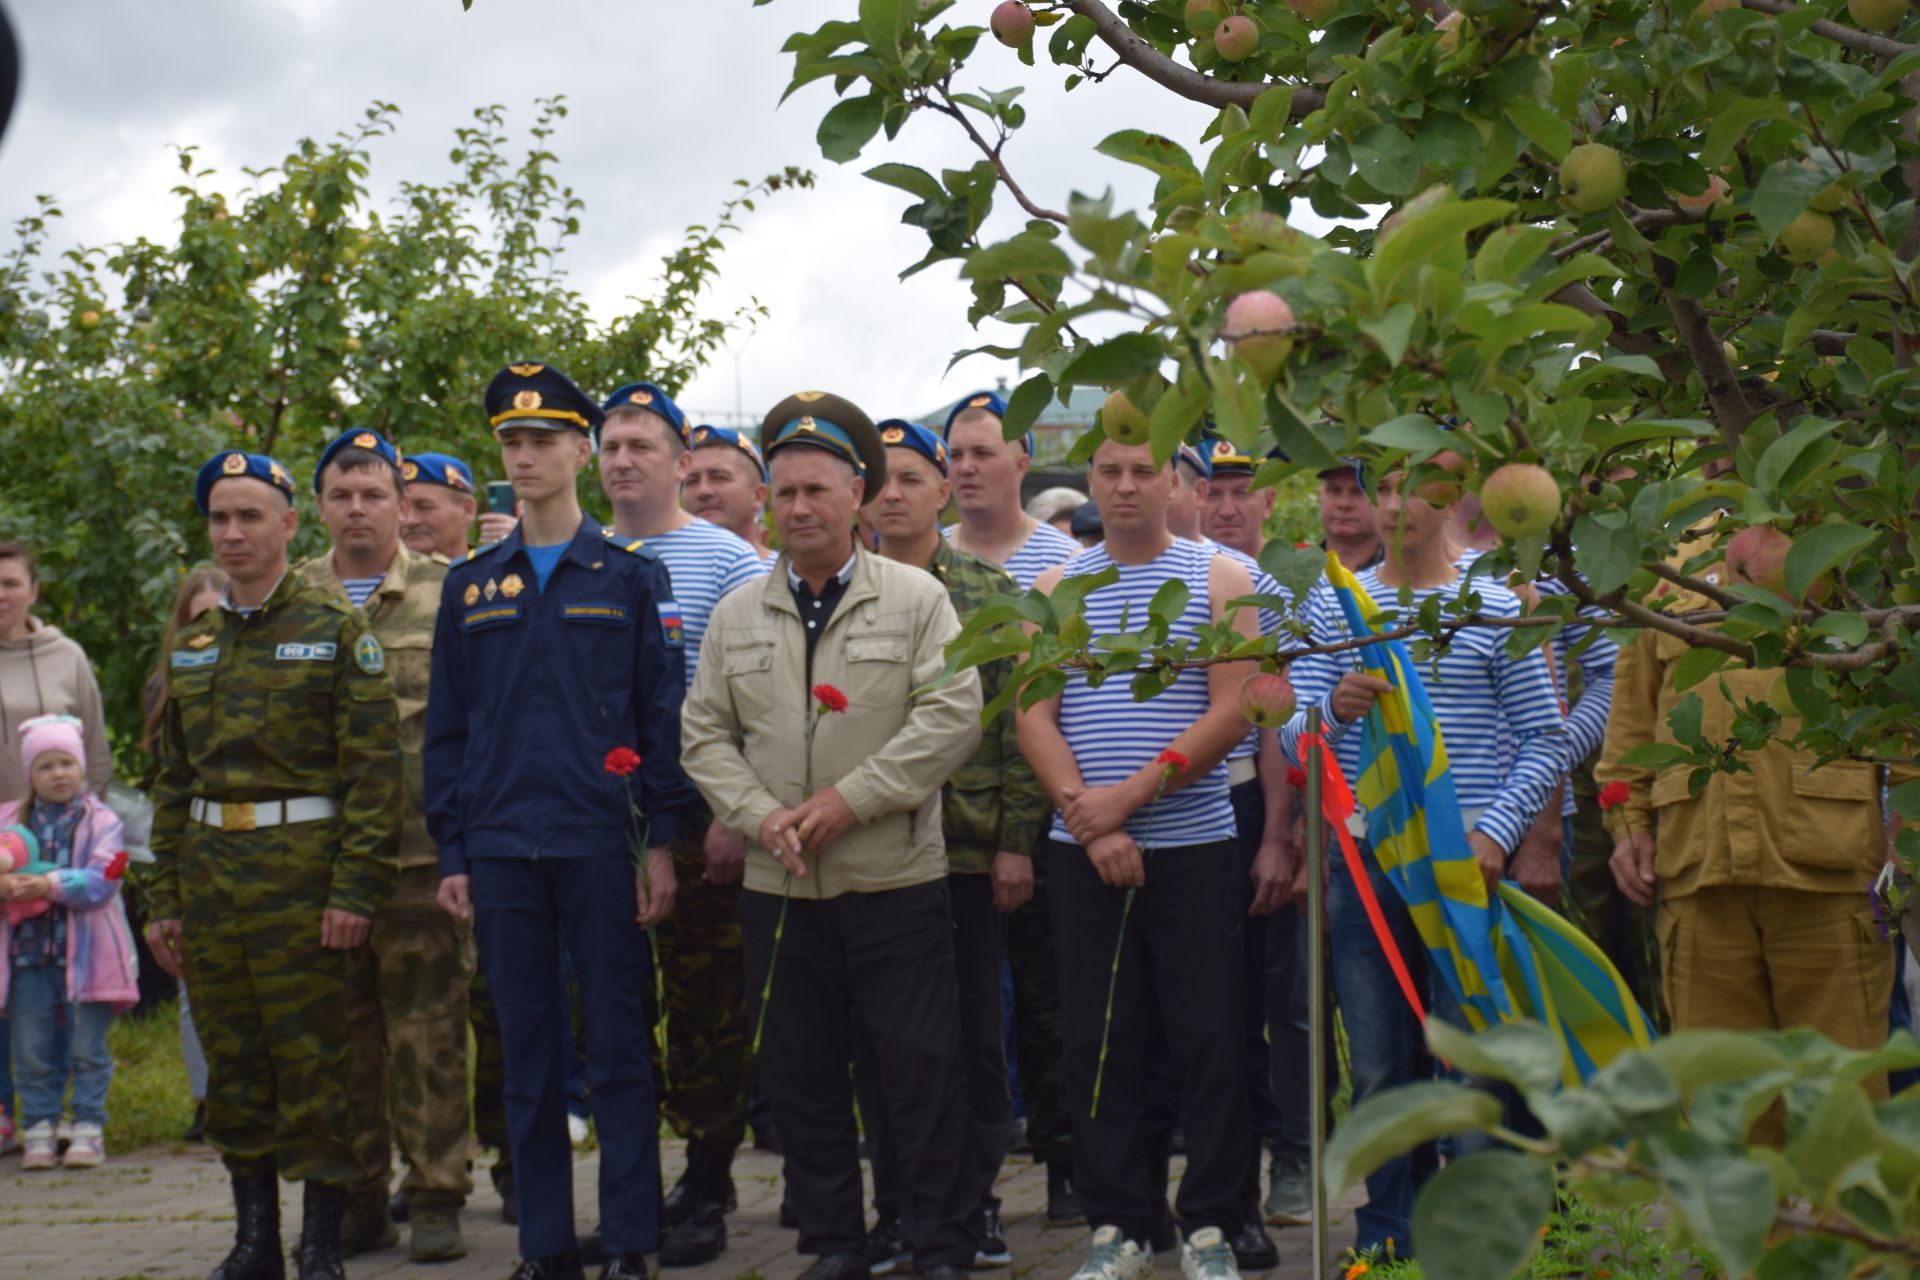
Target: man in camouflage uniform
[[410, 1026], [992, 815], [278, 800]]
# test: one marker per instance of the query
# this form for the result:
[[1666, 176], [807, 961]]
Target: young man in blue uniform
[[555, 646]]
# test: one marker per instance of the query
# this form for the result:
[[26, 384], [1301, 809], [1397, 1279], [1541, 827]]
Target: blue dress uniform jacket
[[531, 689]]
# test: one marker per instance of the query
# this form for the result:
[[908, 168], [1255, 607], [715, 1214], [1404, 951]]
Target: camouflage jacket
[[402, 611], [993, 802], [292, 700]]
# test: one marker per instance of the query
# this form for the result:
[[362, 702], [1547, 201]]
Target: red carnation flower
[[117, 867], [622, 761], [1173, 760], [1615, 794], [829, 698], [1296, 778]]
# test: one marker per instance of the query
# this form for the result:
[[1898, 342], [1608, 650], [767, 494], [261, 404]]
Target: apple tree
[[1639, 275], [282, 312]]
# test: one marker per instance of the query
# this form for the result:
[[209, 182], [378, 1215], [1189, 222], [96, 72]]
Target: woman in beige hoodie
[[42, 673]]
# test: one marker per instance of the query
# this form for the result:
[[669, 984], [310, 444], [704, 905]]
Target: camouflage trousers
[[270, 1004], [709, 1064], [409, 1020]]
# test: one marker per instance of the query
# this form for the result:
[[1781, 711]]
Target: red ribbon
[[1337, 805]]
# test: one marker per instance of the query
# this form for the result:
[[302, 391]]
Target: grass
[[148, 1104], [1578, 1242]]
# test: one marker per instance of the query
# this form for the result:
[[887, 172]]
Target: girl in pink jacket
[[66, 945]]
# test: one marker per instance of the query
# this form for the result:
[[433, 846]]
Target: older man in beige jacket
[[845, 918]]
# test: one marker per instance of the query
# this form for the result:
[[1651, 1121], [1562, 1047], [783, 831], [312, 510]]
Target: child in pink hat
[[74, 959]]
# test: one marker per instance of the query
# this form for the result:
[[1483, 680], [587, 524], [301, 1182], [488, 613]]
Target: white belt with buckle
[[252, 815], [1240, 769]]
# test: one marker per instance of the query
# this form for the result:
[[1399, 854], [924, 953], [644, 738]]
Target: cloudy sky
[[669, 101]]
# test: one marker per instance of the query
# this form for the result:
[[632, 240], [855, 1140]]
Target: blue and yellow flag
[[1414, 822], [1505, 959]]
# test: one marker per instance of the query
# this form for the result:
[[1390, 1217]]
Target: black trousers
[[878, 967], [1181, 957], [980, 947], [1036, 1024], [1249, 819]]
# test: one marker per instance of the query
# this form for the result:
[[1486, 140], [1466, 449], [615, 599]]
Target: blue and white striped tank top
[[1112, 736]]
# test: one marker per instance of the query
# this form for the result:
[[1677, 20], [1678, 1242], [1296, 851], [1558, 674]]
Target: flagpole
[[1316, 993]]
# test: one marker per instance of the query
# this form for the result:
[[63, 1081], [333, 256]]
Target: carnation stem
[[1113, 981], [766, 988]]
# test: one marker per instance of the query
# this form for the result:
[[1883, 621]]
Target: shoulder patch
[[672, 626], [368, 654]]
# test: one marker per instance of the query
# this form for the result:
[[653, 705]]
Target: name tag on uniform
[[306, 652], [491, 616], [610, 612], [184, 659]]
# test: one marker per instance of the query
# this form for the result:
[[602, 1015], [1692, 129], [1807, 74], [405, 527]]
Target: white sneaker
[[87, 1147], [576, 1130], [1207, 1256], [1112, 1256], [39, 1143]]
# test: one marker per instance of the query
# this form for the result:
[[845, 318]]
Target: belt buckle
[[236, 815]]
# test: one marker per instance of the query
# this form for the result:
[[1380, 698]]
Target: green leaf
[[1115, 360], [1726, 1201], [1271, 112], [1414, 432], [1808, 1258], [1028, 401], [1696, 665], [1151, 151], [1391, 330], [1656, 755], [1544, 127], [1606, 549], [1697, 1058], [850, 125], [1522, 1053], [1781, 455], [1386, 160], [1782, 194], [1820, 549], [883, 22], [908, 178], [1685, 719], [1733, 120], [1905, 800], [1395, 1122], [1480, 1217], [1170, 601], [1024, 255]]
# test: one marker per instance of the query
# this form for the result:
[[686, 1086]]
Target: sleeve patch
[[367, 652], [671, 625]]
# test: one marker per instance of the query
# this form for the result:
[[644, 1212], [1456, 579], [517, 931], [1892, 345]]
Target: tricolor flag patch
[[670, 624]]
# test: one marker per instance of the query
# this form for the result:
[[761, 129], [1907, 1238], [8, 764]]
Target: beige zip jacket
[[743, 730]]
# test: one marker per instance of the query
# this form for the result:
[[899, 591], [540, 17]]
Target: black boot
[[697, 1211], [1253, 1248], [256, 1251], [320, 1214]]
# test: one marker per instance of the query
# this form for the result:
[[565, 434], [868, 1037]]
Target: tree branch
[[1185, 81], [1730, 407], [1581, 298], [1864, 41], [946, 107]]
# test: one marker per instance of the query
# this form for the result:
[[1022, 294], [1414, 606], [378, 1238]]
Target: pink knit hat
[[51, 733]]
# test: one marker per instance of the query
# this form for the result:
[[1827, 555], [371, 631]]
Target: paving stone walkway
[[165, 1214]]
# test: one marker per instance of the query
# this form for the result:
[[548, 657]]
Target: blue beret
[[717, 437], [1224, 456], [644, 395], [529, 394], [231, 464], [355, 438], [898, 433], [993, 404], [1199, 461], [437, 468]]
